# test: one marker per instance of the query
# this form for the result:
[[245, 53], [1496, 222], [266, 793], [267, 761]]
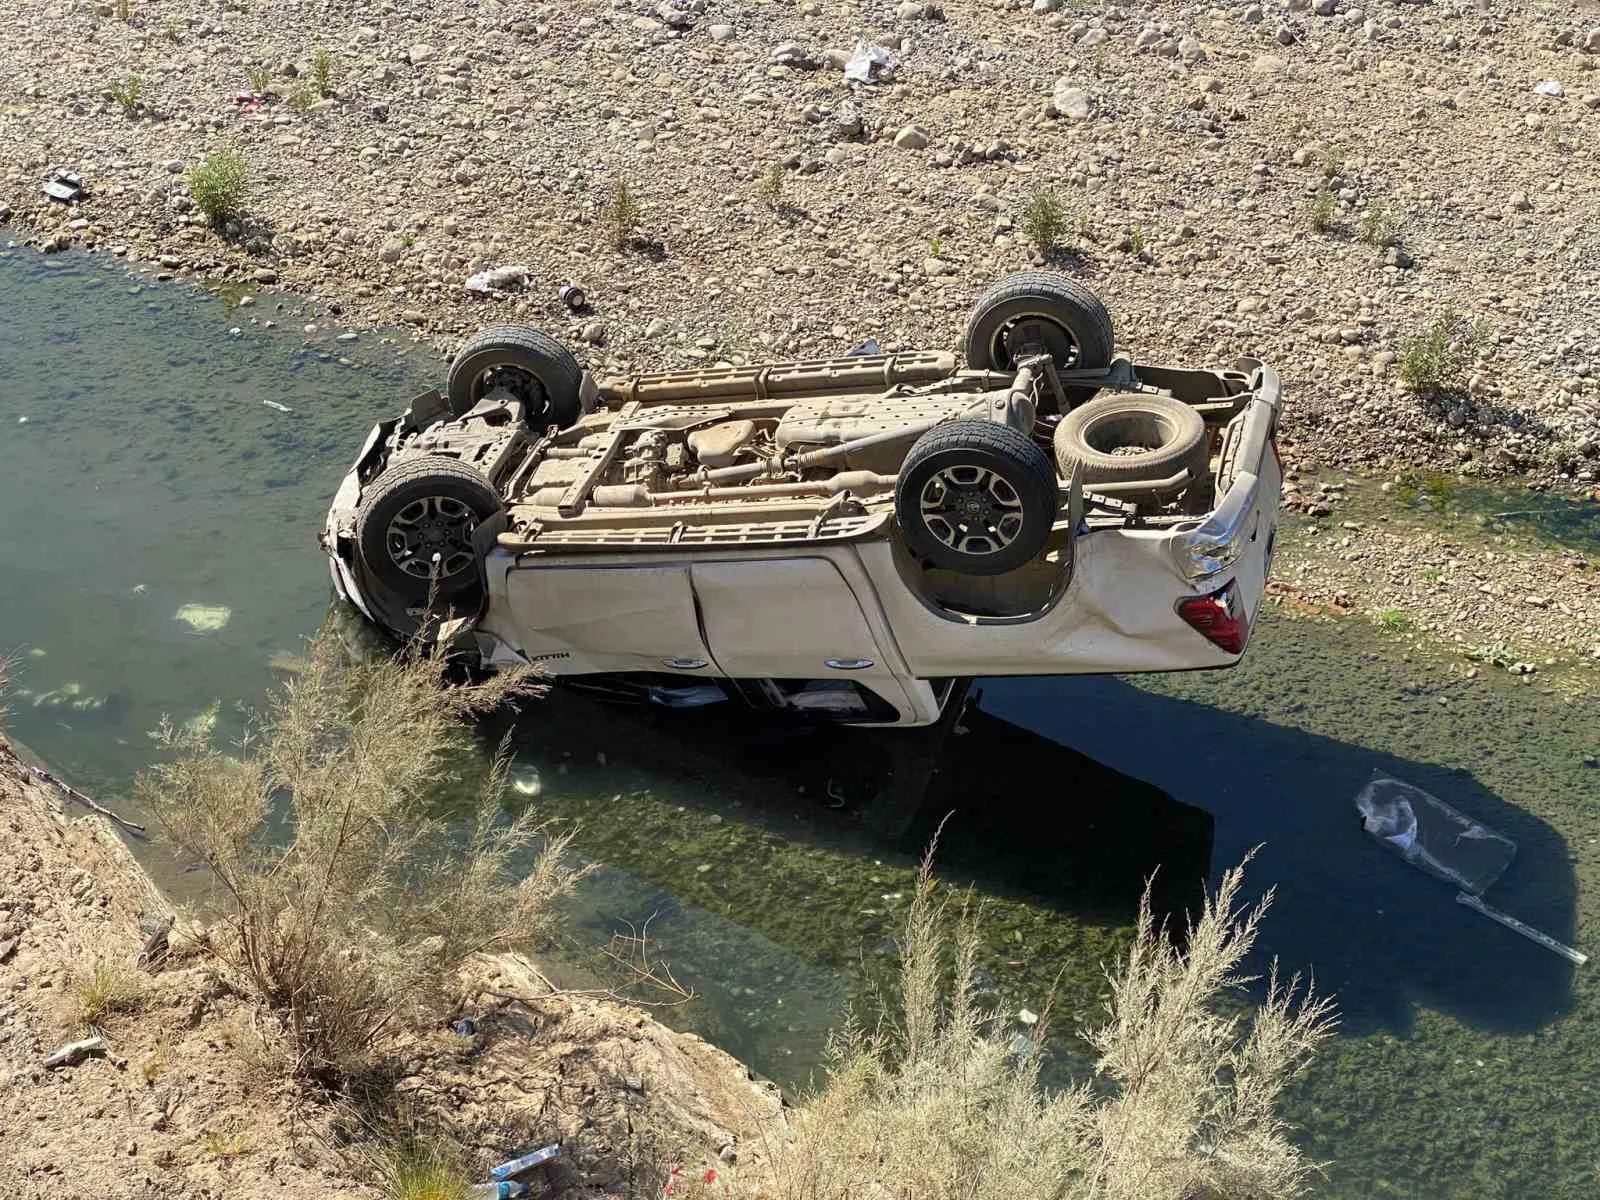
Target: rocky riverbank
[[1309, 180], [182, 1098]]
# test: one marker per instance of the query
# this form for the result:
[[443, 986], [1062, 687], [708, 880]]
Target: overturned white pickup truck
[[840, 539]]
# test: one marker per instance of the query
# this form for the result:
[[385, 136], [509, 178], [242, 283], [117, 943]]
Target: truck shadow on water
[[1376, 932], [1071, 794]]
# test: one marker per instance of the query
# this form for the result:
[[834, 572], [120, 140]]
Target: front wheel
[[976, 497], [414, 530]]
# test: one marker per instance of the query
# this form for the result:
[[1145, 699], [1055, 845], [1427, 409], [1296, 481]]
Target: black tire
[[429, 505], [1164, 436], [976, 497], [1060, 314], [533, 366]]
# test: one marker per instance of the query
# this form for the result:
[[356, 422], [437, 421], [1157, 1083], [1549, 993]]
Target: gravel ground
[[1453, 144]]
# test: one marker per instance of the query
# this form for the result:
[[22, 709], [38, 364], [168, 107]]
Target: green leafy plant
[[218, 184], [124, 10], [1332, 163], [1138, 243], [936, 246], [302, 97], [126, 93], [260, 80], [1044, 221], [1396, 620], [1435, 360], [771, 187], [1322, 210], [322, 73], [1380, 224], [622, 215]]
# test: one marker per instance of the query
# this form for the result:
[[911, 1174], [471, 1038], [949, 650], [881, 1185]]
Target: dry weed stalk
[[351, 901], [939, 1104]]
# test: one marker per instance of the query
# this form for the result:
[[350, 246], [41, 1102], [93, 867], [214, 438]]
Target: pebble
[[911, 137], [391, 252], [1070, 101], [594, 332], [721, 33]]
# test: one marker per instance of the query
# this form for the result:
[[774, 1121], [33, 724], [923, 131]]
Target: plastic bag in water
[[1431, 835]]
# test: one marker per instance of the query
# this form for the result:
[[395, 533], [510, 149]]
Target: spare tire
[[976, 497], [414, 513], [532, 366], [1132, 435], [1039, 309]]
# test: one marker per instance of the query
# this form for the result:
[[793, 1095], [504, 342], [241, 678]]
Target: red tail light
[[1218, 619]]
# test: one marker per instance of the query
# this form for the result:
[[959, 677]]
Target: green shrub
[[1322, 209], [622, 215], [218, 184], [322, 73], [1380, 225], [126, 93], [1436, 360], [1044, 221], [1396, 620], [771, 187]]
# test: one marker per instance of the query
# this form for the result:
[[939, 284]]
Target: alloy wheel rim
[[434, 527], [971, 509]]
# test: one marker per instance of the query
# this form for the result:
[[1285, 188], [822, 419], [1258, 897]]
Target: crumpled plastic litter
[[867, 349], [499, 280], [869, 64], [1550, 87], [1432, 836]]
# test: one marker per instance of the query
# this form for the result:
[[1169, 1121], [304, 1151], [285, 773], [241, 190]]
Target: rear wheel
[[526, 364], [1037, 312], [976, 497], [414, 530]]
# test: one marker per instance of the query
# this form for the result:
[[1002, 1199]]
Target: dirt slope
[[186, 1100]]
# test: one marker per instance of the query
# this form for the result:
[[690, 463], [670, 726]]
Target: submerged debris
[[204, 618]]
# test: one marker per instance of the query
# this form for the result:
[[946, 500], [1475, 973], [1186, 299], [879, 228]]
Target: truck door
[[578, 619]]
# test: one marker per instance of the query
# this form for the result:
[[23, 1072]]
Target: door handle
[[685, 664], [848, 664]]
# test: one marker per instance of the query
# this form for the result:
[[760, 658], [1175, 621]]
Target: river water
[[158, 557]]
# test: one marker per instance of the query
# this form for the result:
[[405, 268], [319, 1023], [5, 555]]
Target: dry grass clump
[[939, 1105], [419, 1169], [350, 900], [102, 989]]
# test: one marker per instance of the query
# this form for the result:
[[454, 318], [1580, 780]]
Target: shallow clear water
[[773, 864]]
